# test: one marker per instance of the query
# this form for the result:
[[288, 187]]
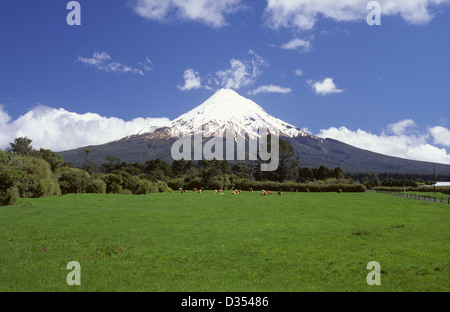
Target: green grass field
[[246, 242]]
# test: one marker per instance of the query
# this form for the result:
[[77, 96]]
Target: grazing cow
[[269, 193], [250, 190], [194, 190], [291, 190], [234, 193], [280, 193], [200, 191], [340, 191], [307, 190]]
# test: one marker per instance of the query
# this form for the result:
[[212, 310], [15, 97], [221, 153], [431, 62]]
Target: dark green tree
[[371, 180], [178, 168], [54, 159], [322, 173], [112, 164], [21, 146], [338, 173], [305, 174]]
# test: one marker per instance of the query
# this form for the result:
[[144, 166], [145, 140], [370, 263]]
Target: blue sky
[[383, 88]]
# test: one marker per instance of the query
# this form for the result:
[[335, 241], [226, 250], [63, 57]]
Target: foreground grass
[[201, 242]]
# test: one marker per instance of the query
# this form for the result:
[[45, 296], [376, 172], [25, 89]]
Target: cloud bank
[[401, 139], [303, 14], [210, 12], [60, 130]]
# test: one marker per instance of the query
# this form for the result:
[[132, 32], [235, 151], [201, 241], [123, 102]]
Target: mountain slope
[[228, 111]]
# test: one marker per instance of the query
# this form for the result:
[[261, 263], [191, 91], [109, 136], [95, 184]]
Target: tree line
[[29, 173]]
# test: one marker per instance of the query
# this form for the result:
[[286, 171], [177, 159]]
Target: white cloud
[[102, 61], [297, 44], [399, 144], [440, 135], [59, 130], [192, 80], [241, 73], [324, 87], [298, 72], [270, 89], [147, 65], [209, 12], [303, 14], [400, 127]]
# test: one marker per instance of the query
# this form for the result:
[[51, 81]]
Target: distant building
[[442, 183]]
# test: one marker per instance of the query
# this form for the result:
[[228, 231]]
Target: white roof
[[442, 183]]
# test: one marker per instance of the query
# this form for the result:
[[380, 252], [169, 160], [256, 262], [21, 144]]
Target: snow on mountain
[[227, 110], [155, 125]]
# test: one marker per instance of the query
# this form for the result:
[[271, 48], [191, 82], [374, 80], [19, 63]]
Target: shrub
[[215, 185], [71, 180], [298, 187], [176, 184], [195, 182], [143, 187], [113, 182], [9, 196], [153, 188], [125, 192], [162, 186], [39, 180], [96, 186]]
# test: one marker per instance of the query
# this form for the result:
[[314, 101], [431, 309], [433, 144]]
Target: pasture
[[231, 243]]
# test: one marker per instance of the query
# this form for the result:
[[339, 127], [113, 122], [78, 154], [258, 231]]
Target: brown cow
[[280, 193]]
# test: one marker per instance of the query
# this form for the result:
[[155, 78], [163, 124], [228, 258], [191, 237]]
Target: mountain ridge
[[225, 111]]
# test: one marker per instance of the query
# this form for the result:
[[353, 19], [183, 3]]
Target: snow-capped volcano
[[227, 110]]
